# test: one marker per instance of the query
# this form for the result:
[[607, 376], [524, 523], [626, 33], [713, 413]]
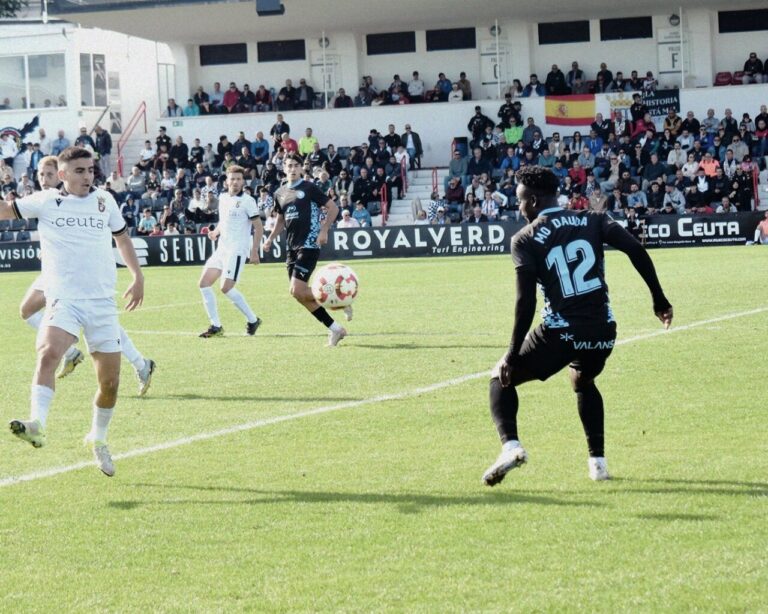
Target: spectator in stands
[[729, 125], [606, 74], [650, 83], [192, 109], [363, 98], [59, 144], [361, 214], [455, 95], [246, 100], [347, 221], [619, 83], [288, 93], [172, 109], [307, 143], [136, 183], [597, 200], [262, 100], [443, 88], [412, 143], [202, 101], [676, 158], [147, 223], [586, 159], [673, 122], [579, 87], [708, 166], [130, 212], [465, 85], [753, 69], [710, 122], [555, 84], [691, 124], [342, 101], [217, 99], [600, 86], [231, 100], [478, 123], [534, 88], [574, 74], [416, 88], [530, 130], [739, 148], [304, 96]]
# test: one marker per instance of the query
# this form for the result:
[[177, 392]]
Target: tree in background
[[9, 8]]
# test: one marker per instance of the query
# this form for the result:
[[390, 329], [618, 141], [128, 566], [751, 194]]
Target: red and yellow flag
[[576, 110]]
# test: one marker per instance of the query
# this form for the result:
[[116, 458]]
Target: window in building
[[211, 55], [391, 42], [558, 32]]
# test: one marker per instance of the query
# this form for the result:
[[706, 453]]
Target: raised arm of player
[[333, 212], [135, 292], [617, 237], [7, 211], [258, 232], [278, 228]]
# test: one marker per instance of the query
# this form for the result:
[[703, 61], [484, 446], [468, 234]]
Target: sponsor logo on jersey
[[102, 206], [80, 222], [59, 201], [593, 345], [300, 194]]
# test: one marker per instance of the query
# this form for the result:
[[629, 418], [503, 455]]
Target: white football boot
[[510, 458], [598, 469], [335, 336], [30, 431], [145, 376], [101, 455]]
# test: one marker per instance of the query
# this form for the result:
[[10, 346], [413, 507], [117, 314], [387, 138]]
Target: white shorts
[[39, 284], [96, 317], [230, 263]]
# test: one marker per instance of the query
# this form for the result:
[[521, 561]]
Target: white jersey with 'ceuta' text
[[75, 241], [235, 215]]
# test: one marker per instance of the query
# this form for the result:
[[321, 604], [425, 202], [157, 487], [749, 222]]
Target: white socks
[[71, 352], [35, 319], [130, 352], [510, 445], [100, 423], [40, 403], [335, 327], [238, 300], [209, 301]]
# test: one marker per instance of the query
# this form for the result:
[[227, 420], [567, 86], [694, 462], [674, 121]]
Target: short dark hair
[[74, 153], [538, 179], [295, 157]]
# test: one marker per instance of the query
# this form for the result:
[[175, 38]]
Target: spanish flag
[[576, 110]]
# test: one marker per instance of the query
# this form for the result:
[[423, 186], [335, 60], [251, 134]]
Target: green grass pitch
[[377, 505]]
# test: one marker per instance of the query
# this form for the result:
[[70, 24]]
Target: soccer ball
[[335, 286]]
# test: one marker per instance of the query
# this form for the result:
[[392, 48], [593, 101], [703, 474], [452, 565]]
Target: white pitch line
[[247, 426]]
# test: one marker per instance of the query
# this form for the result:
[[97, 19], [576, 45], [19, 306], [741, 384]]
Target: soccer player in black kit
[[298, 203], [562, 252]]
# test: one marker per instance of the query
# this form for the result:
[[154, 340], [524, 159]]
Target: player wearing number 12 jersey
[[562, 252]]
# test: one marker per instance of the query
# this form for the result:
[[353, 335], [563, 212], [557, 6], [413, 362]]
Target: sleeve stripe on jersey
[[16, 211], [253, 217], [122, 231]]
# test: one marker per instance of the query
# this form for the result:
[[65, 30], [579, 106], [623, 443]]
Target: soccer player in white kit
[[76, 227], [238, 212], [33, 303]]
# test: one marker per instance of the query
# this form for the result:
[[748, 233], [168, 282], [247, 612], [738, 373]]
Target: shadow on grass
[[407, 503], [695, 487], [671, 517], [422, 346], [192, 396]]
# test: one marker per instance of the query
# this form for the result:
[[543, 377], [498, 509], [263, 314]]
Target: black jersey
[[300, 205], [565, 250]]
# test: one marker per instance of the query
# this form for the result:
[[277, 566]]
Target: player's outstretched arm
[[135, 292], [525, 309], [258, 232], [619, 238], [7, 211], [278, 228]]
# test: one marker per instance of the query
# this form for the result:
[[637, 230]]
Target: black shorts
[[301, 262], [546, 351]]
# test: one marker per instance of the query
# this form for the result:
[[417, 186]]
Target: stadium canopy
[[211, 21]]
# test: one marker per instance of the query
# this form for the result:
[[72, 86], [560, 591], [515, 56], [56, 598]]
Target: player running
[[33, 303], [562, 251], [76, 227], [238, 212], [298, 203]]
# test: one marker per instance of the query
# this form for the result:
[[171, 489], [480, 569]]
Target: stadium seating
[[723, 78], [738, 78], [6, 236], [4, 225]]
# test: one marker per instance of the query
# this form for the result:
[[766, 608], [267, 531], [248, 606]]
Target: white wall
[[437, 124]]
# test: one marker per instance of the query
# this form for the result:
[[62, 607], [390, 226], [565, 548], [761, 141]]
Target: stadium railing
[[141, 113], [384, 207], [434, 179], [404, 178]]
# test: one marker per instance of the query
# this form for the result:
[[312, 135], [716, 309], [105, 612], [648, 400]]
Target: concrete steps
[[419, 186]]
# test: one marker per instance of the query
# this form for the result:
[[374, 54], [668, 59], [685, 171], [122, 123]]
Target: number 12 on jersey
[[574, 283]]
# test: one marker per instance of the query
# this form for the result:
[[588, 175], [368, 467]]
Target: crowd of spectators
[[626, 165], [173, 187]]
